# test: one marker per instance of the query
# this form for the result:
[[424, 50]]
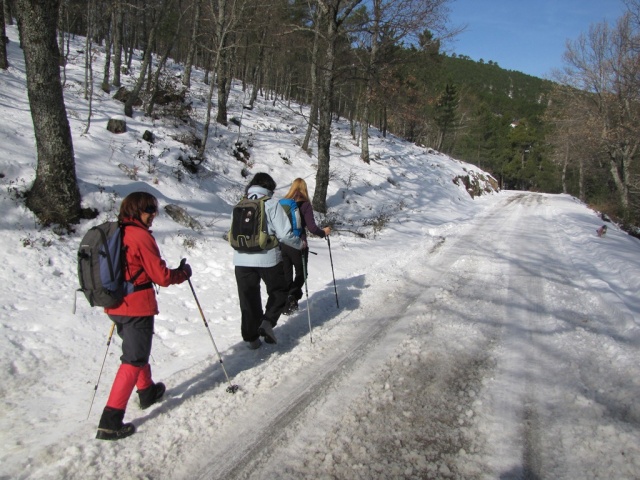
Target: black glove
[[186, 268]]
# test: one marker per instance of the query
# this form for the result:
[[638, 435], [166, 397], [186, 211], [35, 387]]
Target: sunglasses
[[151, 209]]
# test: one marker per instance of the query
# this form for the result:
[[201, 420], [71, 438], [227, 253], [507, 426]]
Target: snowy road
[[493, 348], [485, 355]]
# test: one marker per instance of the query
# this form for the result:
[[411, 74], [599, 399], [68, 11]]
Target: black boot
[[291, 305], [266, 330], [151, 395], [111, 426]]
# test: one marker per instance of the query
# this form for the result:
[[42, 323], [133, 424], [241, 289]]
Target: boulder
[[180, 216]]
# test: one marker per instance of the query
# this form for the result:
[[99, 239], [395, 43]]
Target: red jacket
[[142, 252]]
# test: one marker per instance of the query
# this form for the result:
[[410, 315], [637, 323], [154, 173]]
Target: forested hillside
[[498, 122], [378, 63]]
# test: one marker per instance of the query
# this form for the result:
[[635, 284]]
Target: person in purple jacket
[[291, 258]]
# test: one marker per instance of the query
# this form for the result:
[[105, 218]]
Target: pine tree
[[446, 113]]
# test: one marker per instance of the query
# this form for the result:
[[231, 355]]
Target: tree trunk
[[54, 196], [620, 161], [118, 22], [324, 123], [313, 114], [186, 80], [384, 121], [364, 154], [228, 16], [8, 11], [335, 13], [4, 61], [565, 164], [620, 184], [161, 64], [131, 47], [88, 88], [146, 62], [257, 82], [88, 47], [257, 70], [583, 195], [106, 86], [207, 122], [222, 77]]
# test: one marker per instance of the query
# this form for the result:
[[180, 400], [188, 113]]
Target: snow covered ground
[[489, 338]]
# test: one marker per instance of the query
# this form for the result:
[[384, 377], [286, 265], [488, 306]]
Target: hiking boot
[[111, 426], [151, 395], [266, 330], [291, 305], [124, 431], [255, 344]]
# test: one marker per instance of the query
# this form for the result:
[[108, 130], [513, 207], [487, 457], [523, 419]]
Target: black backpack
[[249, 232], [101, 266]]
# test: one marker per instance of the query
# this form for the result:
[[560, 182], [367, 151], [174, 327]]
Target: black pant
[[292, 260], [137, 335], [248, 280]]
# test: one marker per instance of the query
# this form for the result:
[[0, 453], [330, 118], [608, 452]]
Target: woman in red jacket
[[134, 317]]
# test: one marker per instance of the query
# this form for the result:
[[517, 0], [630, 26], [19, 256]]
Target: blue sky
[[528, 36]]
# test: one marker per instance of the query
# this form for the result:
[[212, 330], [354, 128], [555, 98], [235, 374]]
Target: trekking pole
[[95, 389], [304, 272], [231, 388], [332, 272]]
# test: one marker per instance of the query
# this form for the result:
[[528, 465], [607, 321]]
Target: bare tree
[[161, 7], [4, 62], [161, 64], [118, 24], [313, 111], [257, 69], [574, 140], [334, 13], [54, 196], [226, 15], [109, 17], [186, 80], [605, 64], [229, 15], [88, 59], [8, 8]]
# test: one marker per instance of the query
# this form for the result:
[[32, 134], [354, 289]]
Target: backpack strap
[[142, 286]]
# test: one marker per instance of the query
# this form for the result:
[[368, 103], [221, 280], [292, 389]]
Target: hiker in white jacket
[[265, 265]]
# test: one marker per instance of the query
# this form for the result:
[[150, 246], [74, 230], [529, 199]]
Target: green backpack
[[248, 232]]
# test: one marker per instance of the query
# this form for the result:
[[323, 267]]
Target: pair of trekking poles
[[232, 388], [306, 289]]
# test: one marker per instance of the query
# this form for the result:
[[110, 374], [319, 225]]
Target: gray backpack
[[101, 266]]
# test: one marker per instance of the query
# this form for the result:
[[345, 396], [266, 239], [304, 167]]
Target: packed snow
[[441, 335]]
